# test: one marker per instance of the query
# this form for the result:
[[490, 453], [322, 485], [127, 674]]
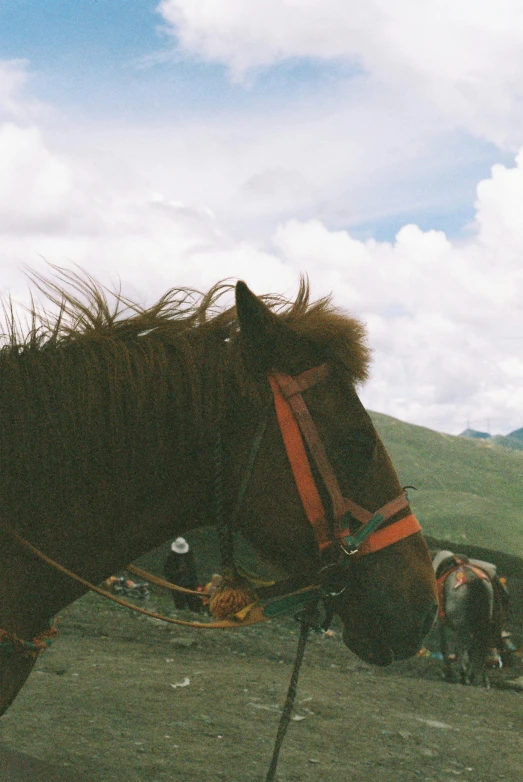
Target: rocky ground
[[122, 698]]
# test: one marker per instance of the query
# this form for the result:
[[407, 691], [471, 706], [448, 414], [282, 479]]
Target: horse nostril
[[429, 619]]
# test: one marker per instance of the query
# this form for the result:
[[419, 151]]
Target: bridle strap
[[290, 388], [300, 466], [252, 614], [296, 385], [388, 510], [295, 420]]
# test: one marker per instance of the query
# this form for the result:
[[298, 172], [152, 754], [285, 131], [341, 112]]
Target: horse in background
[[473, 607]]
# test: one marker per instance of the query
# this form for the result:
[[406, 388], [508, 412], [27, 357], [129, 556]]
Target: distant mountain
[[508, 441], [513, 440], [474, 434]]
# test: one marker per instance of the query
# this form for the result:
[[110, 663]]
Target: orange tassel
[[230, 598]]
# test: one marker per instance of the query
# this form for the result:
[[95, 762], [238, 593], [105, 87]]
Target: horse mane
[[84, 311], [97, 385]]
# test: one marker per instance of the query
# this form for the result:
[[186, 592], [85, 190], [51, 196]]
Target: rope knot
[[12, 643], [233, 594]]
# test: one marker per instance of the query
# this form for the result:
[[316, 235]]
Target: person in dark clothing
[[180, 569]]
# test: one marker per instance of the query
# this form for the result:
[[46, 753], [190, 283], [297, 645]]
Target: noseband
[[297, 428]]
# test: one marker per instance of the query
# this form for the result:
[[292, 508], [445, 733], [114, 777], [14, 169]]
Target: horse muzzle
[[381, 641]]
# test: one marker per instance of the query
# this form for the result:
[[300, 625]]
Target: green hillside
[[468, 491], [469, 497], [507, 441]]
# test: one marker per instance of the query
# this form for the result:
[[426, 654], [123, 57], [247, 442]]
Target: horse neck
[[82, 499]]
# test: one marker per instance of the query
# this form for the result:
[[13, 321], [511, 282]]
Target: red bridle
[[296, 424]]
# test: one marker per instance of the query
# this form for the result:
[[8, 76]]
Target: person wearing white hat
[[180, 569], [180, 545]]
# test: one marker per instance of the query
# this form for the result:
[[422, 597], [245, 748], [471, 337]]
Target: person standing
[[211, 588], [180, 569]]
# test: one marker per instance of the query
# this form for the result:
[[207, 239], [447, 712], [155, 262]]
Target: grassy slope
[[468, 491], [469, 495]]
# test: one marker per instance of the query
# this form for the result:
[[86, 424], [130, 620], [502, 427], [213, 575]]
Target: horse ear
[[261, 330]]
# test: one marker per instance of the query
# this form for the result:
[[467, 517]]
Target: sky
[[376, 147]]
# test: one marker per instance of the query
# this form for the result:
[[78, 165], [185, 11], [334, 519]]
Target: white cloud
[[35, 186], [237, 197], [13, 78], [445, 318], [14, 103], [345, 162], [441, 314], [500, 200], [463, 58], [57, 209]]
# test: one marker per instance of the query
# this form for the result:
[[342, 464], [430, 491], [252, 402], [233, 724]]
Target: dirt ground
[[123, 698]]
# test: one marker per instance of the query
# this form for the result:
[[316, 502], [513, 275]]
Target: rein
[[307, 621], [252, 614]]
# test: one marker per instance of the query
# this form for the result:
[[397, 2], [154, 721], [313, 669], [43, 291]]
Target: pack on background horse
[[473, 609], [110, 417]]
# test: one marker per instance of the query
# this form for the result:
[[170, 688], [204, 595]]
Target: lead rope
[[223, 528], [308, 619]]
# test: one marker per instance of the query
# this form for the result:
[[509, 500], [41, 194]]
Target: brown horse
[[109, 416]]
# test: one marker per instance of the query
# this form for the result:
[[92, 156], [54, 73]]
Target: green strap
[[353, 541], [290, 604]]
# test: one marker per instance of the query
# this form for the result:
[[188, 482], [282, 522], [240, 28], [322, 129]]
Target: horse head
[[387, 599], [114, 419]]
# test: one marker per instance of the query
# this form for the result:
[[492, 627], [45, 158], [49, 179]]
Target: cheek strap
[[292, 415]]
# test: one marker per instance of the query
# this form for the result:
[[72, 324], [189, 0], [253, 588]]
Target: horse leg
[[481, 614], [463, 641], [14, 670], [478, 654], [444, 646], [465, 671]]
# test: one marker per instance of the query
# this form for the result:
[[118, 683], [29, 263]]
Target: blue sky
[[177, 142], [115, 58], [117, 61], [61, 34]]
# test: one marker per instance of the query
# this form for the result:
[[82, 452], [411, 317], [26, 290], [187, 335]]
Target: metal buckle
[[335, 568], [349, 552]]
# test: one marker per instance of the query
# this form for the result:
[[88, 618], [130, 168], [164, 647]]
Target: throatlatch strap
[[301, 470]]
